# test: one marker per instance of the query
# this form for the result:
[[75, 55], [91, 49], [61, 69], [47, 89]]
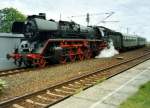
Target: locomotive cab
[[101, 33]]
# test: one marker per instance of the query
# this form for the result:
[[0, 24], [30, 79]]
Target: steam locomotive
[[48, 41]]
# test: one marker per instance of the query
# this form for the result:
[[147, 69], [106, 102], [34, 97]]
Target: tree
[[8, 16]]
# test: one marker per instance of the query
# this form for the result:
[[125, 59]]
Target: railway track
[[8, 72], [12, 71], [18, 71], [63, 90]]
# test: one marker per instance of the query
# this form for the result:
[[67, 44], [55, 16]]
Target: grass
[[140, 99]]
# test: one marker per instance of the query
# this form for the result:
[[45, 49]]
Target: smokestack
[[42, 15]]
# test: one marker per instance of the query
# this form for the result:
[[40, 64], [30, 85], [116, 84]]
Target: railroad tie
[[91, 80], [73, 85], [94, 77], [81, 80], [17, 106], [69, 88], [52, 94], [36, 103], [47, 99], [77, 83], [88, 79], [88, 84], [63, 91]]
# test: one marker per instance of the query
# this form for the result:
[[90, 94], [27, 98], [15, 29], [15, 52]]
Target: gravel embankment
[[26, 82]]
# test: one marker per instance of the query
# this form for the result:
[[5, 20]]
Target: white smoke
[[108, 52]]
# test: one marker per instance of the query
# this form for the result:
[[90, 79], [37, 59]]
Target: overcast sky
[[131, 14]]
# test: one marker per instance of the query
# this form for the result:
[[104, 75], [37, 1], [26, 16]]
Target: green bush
[[2, 84]]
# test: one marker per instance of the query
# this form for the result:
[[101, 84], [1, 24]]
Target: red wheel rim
[[42, 62], [81, 57], [87, 54], [63, 59], [72, 56], [80, 54]]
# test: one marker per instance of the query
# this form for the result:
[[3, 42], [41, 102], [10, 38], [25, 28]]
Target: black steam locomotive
[[48, 41]]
